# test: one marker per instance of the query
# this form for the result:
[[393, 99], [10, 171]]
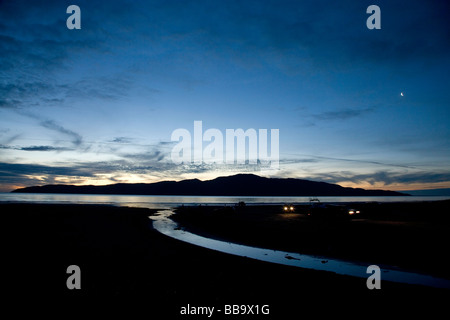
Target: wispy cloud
[[20, 169], [36, 148], [111, 87], [384, 177], [298, 160], [342, 114], [314, 158], [17, 94], [52, 125], [122, 140], [10, 139], [37, 51]]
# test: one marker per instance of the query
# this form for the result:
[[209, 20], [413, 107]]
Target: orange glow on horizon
[[106, 179], [397, 186]]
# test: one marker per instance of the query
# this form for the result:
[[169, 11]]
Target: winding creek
[[166, 226]]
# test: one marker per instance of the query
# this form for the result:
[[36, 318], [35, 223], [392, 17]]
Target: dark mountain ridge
[[236, 185]]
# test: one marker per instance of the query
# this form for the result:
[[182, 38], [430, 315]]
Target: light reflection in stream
[[163, 224]]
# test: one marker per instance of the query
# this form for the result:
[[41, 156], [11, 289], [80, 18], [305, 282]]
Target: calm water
[[161, 202]]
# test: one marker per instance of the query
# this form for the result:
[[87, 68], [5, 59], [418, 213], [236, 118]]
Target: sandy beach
[[123, 259]]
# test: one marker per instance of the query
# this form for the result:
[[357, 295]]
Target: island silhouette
[[235, 185]]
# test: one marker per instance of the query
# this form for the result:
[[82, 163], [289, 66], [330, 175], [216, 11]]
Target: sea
[[165, 202]]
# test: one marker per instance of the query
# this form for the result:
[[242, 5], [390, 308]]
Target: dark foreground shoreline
[[125, 262], [409, 235]]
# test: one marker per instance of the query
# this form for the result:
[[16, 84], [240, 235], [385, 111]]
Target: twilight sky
[[98, 105]]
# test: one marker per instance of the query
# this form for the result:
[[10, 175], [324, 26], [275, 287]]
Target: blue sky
[[98, 105]]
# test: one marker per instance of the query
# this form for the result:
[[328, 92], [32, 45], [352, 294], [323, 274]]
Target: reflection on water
[[166, 226], [159, 202]]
